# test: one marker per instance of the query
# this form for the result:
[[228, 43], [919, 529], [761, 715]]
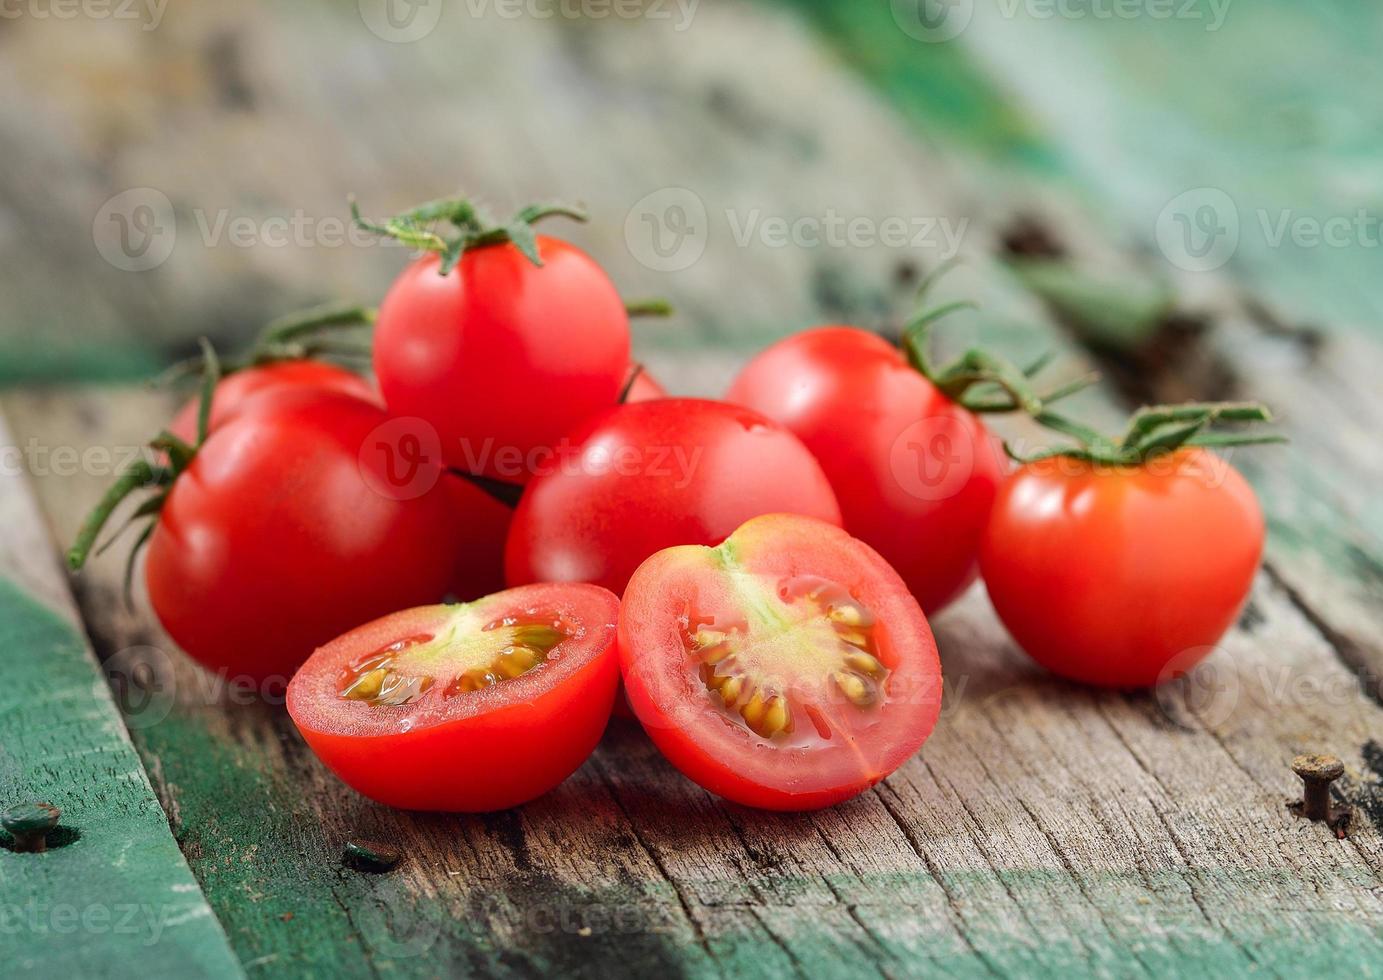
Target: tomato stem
[[141, 475], [1155, 430], [648, 307], [473, 228]]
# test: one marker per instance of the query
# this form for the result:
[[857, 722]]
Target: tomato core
[[802, 645]]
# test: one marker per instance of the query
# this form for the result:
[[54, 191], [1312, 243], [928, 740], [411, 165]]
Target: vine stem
[[138, 476]]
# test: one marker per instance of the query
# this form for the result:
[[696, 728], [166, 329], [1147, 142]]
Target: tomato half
[[235, 390], [789, 668], [308, 514], [501, 356], [1122, 576], [468, 708], [651, 475], [914, 472]]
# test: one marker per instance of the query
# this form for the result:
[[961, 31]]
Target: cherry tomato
[[651, 475], [914, 472], [468, 707], [1122, 576], [789, 668], [502, 356], [234, 390], [307, 515]]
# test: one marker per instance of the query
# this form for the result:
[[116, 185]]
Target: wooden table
[[1045, 828]]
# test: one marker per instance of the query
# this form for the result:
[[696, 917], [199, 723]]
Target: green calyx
[[470, 228], [307, 334], [978, 380], [1153, 431], [156, 477]]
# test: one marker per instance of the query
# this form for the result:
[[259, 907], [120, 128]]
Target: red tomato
[[788, 668], [1122, 576], [914, 472], [307, 515], [502, 356], [234, 390], [465, 708], [651, 475]]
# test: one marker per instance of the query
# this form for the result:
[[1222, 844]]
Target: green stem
[[294, 325], [648, 307], [140, 475]]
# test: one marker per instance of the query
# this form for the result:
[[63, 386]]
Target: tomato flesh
[[464, 708], [1122, 576], [788, 668]]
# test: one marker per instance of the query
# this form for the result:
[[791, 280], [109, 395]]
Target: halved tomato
[[789, 668], [466, 708]]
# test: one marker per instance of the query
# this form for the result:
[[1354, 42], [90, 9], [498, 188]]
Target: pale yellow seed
[[853, 637], [709, 638], [730, 688], [778, 718], [515, 661], [865, 663], [366, 686], [753, 710], [846, 615], [859, 691]]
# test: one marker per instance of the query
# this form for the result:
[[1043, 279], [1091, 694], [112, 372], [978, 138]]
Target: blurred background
[[1128, 170]]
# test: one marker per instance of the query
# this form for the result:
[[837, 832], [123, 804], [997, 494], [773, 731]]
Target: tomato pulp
[[915, 473], [789, 668], [467, 708], [650, 475], [1122, 576], [502, 357]]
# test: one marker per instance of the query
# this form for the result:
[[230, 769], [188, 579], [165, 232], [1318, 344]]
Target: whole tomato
[[914, 470], [1122, 571], [650, 475], [309, 513], [501, 355]]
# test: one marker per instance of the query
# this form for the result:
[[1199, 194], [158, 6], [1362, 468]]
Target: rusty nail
[[1317, 772], [29, 825]]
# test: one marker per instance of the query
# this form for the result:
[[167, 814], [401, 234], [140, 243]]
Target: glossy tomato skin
[[726, 758], [915, 473], [235, 390], [650, 475], [484, 751], [501, 356], [288, 528], [1122, 577]]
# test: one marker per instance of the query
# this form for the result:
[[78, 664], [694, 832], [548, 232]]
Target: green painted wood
[[116, 898]]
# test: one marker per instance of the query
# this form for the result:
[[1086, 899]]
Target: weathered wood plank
[[113, 888]]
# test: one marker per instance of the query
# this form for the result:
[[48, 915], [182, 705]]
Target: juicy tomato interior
[[468, 707], [788, 668]]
